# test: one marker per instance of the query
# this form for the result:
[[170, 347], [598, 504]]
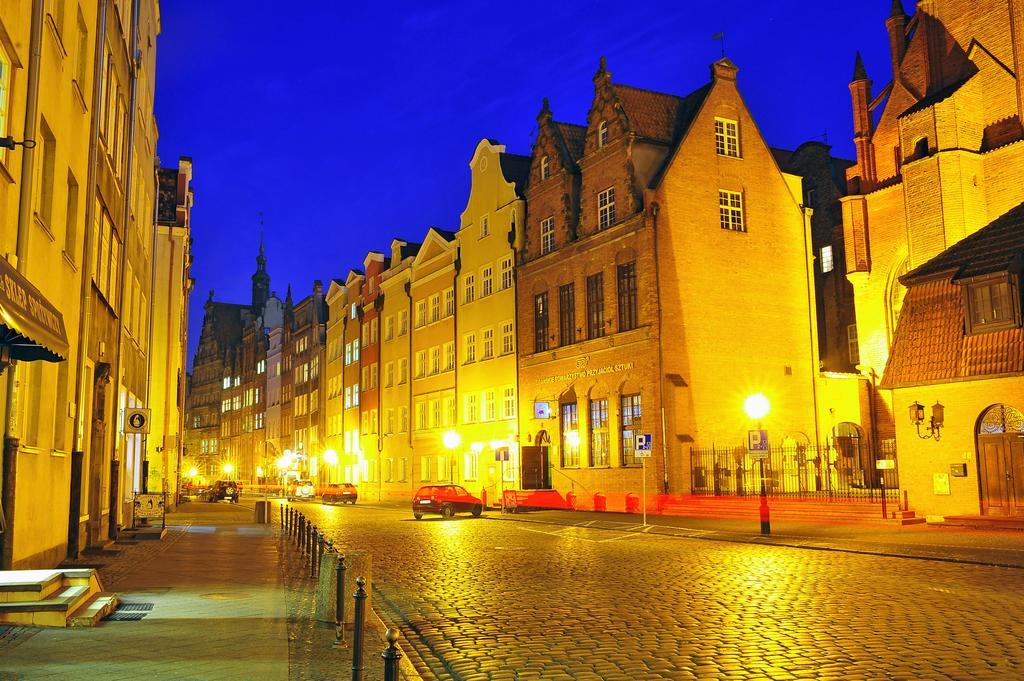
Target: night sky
[[348, 124]]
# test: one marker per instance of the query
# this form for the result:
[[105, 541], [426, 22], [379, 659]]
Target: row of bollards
[[312, 544]]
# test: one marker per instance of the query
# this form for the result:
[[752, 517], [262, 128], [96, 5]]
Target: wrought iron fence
[[842, 469]]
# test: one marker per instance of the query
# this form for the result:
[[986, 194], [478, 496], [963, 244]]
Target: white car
[[304, 490]]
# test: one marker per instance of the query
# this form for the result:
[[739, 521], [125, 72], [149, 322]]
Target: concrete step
[[29, 585], [50, 598], [49, 612], [95, 608]]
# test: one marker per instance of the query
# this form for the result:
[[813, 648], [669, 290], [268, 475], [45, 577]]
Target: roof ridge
[[653, 92], [574, 125]]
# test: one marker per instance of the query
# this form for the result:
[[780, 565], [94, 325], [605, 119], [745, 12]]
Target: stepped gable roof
[[516, 169], [997, 247], [659, 116], [574, 137], [936, 97], [229, 319]]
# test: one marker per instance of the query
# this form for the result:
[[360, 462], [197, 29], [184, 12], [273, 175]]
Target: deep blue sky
[[349, 123]]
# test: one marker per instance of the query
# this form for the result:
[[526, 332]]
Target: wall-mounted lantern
[[935, 423]]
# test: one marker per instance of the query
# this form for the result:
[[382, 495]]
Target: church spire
[[260, 279]]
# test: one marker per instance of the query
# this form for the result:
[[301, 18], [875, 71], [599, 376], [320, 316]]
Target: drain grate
[[131, 611]]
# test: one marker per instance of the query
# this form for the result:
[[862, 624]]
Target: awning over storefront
[[31, 328]]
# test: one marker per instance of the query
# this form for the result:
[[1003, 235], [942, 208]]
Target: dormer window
[[545, 168], [727, 138], [602, 133], [991, 306]]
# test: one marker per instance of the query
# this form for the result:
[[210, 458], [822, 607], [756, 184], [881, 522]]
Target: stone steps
[[53, 598]]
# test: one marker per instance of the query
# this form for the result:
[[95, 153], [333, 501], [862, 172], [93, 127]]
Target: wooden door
[[1002, 474], [535, 467]]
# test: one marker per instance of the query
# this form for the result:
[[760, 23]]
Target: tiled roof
[[659, 116], [993, 248], [930, 344], [574, 136], [516, 169]]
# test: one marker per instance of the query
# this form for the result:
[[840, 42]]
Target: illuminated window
[[508, 403], [599, 432], [630, 413], [545, 168], [852, 347], [990, 306], [727, 138], [540, 322], [606, 208], [506, 272], [488, 412], [488, 344], [472, 408], [449, 356], [730, 210], [435, 359], [570, 435], [547, 235], [469, 347], [508, 339], [827, 263]]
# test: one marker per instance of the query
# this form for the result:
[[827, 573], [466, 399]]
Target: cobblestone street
[[481, 599]]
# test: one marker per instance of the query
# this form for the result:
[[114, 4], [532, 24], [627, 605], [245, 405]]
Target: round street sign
[[136, 421]]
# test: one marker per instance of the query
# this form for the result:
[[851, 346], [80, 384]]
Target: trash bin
[[632, 503], [263, 512], [570, 501], [600, 502]]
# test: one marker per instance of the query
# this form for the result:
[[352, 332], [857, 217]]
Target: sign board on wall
[[136, 420], [940, 484], [541, 410]]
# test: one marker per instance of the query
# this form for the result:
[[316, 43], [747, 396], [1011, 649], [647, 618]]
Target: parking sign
[[642, 445]]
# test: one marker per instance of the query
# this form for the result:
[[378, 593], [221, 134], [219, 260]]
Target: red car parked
[[446, 500]]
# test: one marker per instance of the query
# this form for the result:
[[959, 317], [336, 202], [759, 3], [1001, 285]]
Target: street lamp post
[[757, 407]]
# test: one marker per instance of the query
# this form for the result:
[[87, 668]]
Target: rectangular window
[[602, 134], [471, 412], [540, 322], [486, 281], [71, 218], [489, 407], [606, 208], [374, 330], [5, 95], [469, 347], [46, 151], [448, 415], [599, 432], [469, 471], [630, 415], [403, 369], [365, 373], [826, 259], [421, 414], [626, 281], [487, 351], [403, 419], [442, 467], [364, 332], [435, 307], [990, 306], [727, 138], [566, 314], [435, 359], [403, 322], [547, 235], [449, 302], [81, 54], [374, 375], [570, 435], [485, 226], [508, 338], [355, 395], [421, 363], [506, 272], [389, 327], [730, 210], [421, 313], [449, 356], [595, 305], [852, 347], [435, 412], [508, 402], [389, 374], [389, 420], [469, 289]]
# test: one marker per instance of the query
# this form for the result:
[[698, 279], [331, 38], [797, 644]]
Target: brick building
[[305, 355], [939, 157], [663, 207]]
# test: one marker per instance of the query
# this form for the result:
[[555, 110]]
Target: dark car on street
[[446, 500], [344, 493], [224, 490]]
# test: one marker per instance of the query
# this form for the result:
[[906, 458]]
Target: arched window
[[602, 133], [545, 168], [1001, 418], [921, 147]]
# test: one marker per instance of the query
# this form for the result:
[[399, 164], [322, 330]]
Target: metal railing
[[842, 470]]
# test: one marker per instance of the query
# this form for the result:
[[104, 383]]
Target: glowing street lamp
[[228, 468], [331, 457], [451, 439], [192, 472], [757, 406]]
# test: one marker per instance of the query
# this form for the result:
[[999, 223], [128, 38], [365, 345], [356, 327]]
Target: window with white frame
[[486, 281], [469, 470], [389, 374], [389, 327], [469, 347], [403, 322], [606, 208], [730, 210], [547, 235], [508, 340], [506, 272], [421, 313], [355, 395], [545, 168], [508, 402], [389, 420], [602, 133], [487, 351], [435, 359], [489, 407], [421, 363], [471, 412], [355, 351], [727, 138], [826, 259], [485, 226], [469, 289], [374, 330], [403, 369], [403, 419], [348, 397], [435, 307], [449, 302], [449, 356], [852, 346]]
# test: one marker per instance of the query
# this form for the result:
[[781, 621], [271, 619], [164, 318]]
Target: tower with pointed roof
[[260, 281]]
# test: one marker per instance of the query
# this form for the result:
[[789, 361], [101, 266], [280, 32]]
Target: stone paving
[[496, 600]]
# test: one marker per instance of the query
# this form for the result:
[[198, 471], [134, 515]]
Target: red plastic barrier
[[600, 502]]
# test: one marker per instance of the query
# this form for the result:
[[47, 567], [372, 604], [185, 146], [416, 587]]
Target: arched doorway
[[1001, 460], [853, 457]]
